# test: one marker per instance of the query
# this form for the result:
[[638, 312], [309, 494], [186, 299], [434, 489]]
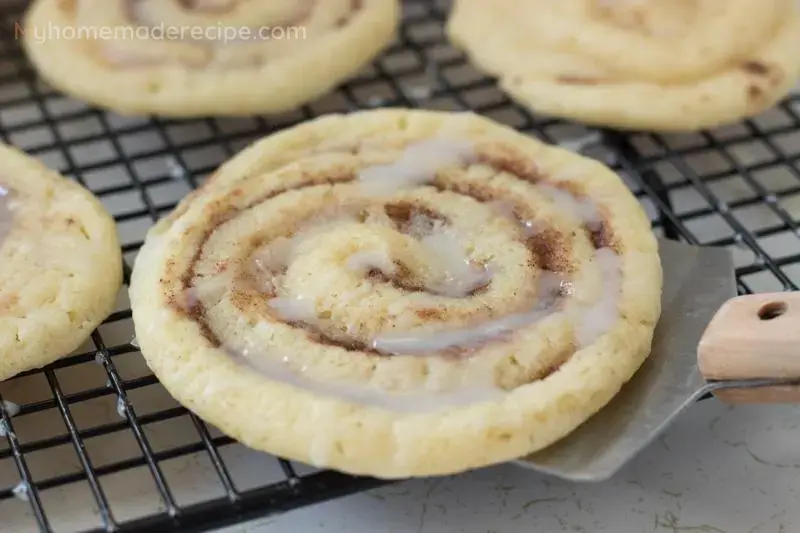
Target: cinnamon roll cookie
[[60, 264], [407, 293], [184, 58], [633, 64]]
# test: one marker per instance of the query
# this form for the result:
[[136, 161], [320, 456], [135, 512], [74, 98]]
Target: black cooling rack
[[737, 187]]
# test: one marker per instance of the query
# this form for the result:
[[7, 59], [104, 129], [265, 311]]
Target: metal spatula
[[741, 349]]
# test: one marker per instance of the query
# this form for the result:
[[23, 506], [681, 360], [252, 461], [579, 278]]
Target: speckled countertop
[[717, 469]]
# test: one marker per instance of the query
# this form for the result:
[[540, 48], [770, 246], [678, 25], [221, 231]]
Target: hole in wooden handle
[[771, 310]]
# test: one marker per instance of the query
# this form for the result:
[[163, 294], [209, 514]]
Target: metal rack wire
[[737, 187]]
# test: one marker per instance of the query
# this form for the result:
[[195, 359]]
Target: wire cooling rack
[[94, 443]]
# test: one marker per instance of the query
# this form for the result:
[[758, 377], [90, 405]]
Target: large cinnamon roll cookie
[[60, 264], [405, 293], [633, 64], [185, 58]]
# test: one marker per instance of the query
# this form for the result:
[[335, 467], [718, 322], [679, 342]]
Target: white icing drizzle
[[454, 274], [365, 260], [602, 315], [582, 208], [417, 165], [272, 258], [379, 217], [275, 368], [205, 288], [506, 210], [275, 255], [423, 343], [294, 309], [591, 323], [450, 270], [422, 225]]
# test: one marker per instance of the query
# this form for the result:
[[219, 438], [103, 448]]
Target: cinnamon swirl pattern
[[60, 264], [633, 64], [185, 58], [399, 293]]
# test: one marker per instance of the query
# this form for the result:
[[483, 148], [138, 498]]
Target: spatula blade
[[697, 281]]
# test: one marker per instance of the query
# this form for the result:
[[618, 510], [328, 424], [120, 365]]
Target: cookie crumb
[[122, 408], [20, 491], [175, 169], [10, 408]]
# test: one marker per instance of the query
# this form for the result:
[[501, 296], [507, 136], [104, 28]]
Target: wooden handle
[[750, 337]]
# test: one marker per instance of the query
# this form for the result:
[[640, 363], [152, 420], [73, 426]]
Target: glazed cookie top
[[401, 266], [214, 34], [604, 41], [60, 263], [187, 58], [605, 62]]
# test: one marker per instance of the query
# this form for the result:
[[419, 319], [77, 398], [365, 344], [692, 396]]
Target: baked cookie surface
[[629, 64], [204, 58], [60, 264], [399, 293]]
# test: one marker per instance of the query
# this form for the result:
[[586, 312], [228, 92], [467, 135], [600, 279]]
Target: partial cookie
[[203, 58], [403, 293], [632, 64], [60, 264]]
